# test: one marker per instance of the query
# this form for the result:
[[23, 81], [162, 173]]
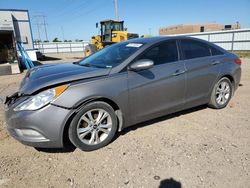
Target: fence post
[[57, 47], [42, 46], [232, 47], [83, 46], [70, 47]]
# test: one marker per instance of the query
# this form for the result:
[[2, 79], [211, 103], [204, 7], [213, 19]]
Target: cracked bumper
[[40, 128]]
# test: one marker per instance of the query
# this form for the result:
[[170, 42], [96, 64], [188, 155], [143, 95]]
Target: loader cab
[[112, 31], [107, 27]]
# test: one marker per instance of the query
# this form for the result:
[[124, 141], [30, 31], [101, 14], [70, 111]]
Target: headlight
[[41, 99]]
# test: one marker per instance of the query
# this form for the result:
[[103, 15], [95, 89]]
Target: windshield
[[112, 26], [117, 27], [111, 56]]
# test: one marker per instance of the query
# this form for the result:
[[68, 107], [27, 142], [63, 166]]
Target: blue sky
[[77, 18]]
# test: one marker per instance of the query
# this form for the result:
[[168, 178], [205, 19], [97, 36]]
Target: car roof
[[158, 39], [153, 40], [147, 42]]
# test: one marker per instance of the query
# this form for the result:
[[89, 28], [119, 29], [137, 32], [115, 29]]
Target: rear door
[[159, 90], [202, 70]]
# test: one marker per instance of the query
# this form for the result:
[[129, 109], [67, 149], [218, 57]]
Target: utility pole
[[149, 31], [62, 33], [45, 29], [116, 10], [41, 21], [237, 25], [38, 31]]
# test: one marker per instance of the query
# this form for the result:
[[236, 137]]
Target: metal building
[[232, 40], [14, 27]]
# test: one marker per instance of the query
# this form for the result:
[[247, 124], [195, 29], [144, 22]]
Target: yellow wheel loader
[[112, 31]]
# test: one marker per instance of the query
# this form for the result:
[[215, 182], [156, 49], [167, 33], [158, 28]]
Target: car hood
[[53, 74]]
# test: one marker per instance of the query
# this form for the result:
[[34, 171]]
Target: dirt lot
[[196, 148]]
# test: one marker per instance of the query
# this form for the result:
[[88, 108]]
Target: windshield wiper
[[86, 65], [93, 65]]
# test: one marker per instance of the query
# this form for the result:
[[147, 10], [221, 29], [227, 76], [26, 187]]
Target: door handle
[[216, 62], [178, 72]]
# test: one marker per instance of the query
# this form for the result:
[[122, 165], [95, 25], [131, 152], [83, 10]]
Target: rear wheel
[[221, 94], [93, 127]]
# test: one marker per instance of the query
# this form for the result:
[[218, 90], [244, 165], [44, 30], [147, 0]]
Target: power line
[[76, 14], [72, 11], [85, 8], [41, 21], [45, 28], [38, 31]]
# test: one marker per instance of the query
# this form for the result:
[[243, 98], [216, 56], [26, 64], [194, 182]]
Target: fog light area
[[30, 133]]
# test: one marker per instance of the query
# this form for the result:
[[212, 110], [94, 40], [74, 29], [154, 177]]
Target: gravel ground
[[201, 147]]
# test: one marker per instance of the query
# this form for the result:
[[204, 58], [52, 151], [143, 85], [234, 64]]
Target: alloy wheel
[[222, 93], [94, 126]]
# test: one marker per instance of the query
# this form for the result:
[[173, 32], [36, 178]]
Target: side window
[[163, 53], [194, 49], [215, 51]]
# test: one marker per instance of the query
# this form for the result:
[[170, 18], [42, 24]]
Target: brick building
[[196, 28]]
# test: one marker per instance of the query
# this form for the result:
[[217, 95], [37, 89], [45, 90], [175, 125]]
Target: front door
[[159, 90]]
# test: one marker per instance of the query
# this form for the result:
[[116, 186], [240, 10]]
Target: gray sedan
[[88, 102]]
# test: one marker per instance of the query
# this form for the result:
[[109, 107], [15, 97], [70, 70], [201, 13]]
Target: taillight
[[237, 61]]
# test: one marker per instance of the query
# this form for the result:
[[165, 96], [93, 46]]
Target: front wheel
[[221, 94], [89, 50], [93, 127]]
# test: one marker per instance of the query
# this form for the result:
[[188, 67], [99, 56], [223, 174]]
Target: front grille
[[11, 99]]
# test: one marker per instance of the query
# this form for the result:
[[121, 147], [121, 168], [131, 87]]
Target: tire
[[94, 120], [221, 95], [89, 50]]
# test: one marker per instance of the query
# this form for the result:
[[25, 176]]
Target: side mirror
[[142, 64], [96, 25]]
